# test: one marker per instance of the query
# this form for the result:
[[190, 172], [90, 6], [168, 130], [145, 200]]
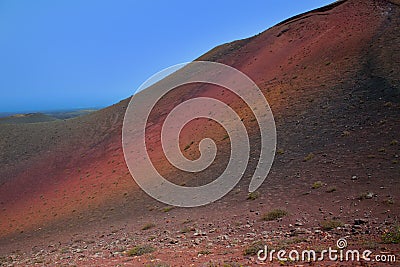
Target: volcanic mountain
[[331, 78]]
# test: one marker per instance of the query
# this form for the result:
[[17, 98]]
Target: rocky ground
[[168, 236]]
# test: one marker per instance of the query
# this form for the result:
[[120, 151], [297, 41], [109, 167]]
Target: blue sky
[[76, 54]]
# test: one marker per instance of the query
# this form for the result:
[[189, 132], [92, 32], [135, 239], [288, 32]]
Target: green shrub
[[205, 252], [392, 236], [309, 157], [167, 209], [253, 195], [316, 185], [331, 224], [140, 250], [254, 248], [148, 226], [274, 214], [331, 189]]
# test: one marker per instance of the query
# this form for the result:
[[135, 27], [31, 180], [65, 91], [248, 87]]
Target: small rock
[[173, 241], [223, 237], [200, 233], [197, 241], [298, 231], [369, 195], [360, 221]]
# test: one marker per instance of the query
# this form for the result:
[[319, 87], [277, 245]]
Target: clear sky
[[89, 53]]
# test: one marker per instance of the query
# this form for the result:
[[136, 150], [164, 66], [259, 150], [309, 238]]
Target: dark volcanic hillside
[[331, 77]]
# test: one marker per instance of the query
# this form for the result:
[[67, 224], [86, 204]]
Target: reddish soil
[[331, 79]]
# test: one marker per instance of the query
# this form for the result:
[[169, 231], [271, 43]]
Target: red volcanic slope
[[331, 79]]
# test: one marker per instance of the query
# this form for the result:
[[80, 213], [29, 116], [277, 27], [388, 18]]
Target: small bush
[[309, 157], [253, 195], [388, 201], [148, 226], [204, 252], [185, 230], [394, 142], [346, 133], [167, 209], [140, 250], [331, 224], [254, 248], [331, 189], [274, 215], [316, 185], [188, 220], [392, 236]]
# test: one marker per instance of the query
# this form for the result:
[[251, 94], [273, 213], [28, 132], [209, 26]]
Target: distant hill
[[10, 118], [26, 118], [68, 114]]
